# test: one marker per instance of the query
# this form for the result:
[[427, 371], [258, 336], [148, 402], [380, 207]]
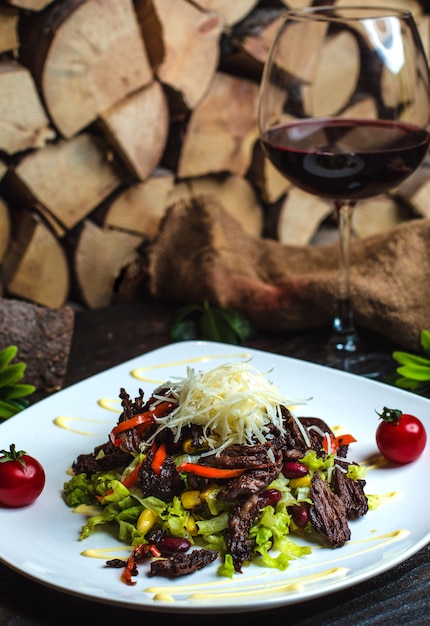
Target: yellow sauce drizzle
[[63, 421], [248, 588], [390, 496], [297, 585], [106, 553], [139, 372], [110, 404], [164, 597]]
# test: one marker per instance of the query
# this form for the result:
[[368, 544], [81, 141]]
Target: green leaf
[[415, 372], [241, 325], [425, 341], [18, 390], [8, 409], [405, 358], [186, 330], [12, 374], [12, 393], [215, 327], [210, 323], [7, 355]]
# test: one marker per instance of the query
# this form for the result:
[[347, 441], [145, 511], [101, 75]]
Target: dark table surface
[[106, 337]]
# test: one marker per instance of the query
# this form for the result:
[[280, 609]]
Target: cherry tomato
[[400, 437], [22, 478]]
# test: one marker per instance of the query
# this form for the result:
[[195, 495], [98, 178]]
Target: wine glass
[[343, 114]]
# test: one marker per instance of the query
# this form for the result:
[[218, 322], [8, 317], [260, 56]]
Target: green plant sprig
[[414, 370], [12, 393], [226, 325]]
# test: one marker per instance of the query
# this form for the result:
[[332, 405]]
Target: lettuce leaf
[[83, 490], [270, 533], [316, 463], [227, 567], [356, 472]]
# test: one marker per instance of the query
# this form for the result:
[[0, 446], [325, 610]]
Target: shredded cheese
[[234, 404]]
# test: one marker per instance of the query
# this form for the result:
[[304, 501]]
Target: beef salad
[[217, 467]]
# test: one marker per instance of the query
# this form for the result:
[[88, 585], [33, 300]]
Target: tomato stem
[[390, 415], [13, 455]]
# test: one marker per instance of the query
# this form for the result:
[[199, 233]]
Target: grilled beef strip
[[112, 458], [252, 481], [240, 456], [164, 485], [294, 445], [248, 490], [351, 492], [181, 564], [327, 513], [131, 408], [239, 544], [293, 436]]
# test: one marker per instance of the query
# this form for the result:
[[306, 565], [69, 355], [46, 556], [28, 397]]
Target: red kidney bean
[[294, 469], [173, 545], [300, 514], [271, 497]]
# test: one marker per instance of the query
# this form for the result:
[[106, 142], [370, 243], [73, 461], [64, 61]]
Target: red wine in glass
[[344, 159]]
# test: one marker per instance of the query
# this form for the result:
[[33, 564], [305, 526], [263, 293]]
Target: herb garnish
[[195, 321]]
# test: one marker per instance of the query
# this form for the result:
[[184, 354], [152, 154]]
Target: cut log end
[[43, 337]]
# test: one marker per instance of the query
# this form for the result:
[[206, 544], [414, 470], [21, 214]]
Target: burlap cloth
[[203, 253]]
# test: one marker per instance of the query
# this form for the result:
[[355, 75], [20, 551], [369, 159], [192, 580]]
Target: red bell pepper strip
[[131, 478], [142, 420], [338, 442], [128, 481], [344, 440], [209, 472], [106, 493], [138, 553], [159, 456]]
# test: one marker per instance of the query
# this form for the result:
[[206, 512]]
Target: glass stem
[[343, 324]]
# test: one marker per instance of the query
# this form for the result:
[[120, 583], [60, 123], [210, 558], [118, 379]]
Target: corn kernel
[[190, 499], [304, 481], [146, 521], [192, 526], [188, 447]]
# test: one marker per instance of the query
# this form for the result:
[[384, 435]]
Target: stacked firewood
[[112, 110]]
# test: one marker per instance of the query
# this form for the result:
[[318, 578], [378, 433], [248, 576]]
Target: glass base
[[366, 364], [352, 353], [371, 356]]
